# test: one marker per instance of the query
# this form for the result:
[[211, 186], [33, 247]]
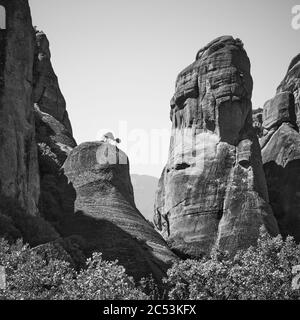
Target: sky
[[117, 60]]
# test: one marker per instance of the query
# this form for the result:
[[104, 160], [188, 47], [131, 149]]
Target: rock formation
[[33, 144], [212, 191], [257, 121], [19, 178], [35, 141], [53, 136], [47, 93], [105, 218], [106, 215], [54, 144], [281, 151], [291, 83]]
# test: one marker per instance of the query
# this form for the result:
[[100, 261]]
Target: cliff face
[[291, 83], [281, 151], [19, 174], [212, 191], [94, 209], [53, 136], [105, 212], [80, 197], [47, 93]]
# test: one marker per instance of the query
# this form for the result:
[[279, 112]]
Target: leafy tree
[[30, 276], [262, 272], [102, 280]]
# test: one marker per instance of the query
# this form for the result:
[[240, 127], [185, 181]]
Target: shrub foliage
[[262, 272], [30, 276]]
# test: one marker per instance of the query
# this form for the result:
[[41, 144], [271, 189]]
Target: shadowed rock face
[[53, 136], [35, 141], [291, 83], [47, 93], [54, 144], [281, 151], [19, 174], [257, 121], [212, 190], [106, 215]]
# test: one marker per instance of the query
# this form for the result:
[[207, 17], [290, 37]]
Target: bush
[[102, 280], [262, 272], [150, 287], [30, 276]]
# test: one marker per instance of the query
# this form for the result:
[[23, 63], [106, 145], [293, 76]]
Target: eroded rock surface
[[47, 93], [257, 121], [105, 212], [19, 173], [35, 141], [54, 143], [291, 83], [53, 136], [212, 191], [281, 151]]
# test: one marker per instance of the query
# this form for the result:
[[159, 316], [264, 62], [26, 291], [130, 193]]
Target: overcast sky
[[117, 60]]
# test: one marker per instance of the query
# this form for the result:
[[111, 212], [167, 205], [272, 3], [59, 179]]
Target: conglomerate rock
[[212, 191], [47, 93], [291, 83], [281, 151], [257, 121], [35, 141], [53, 136], [54, 143], [19, 173], [105, 212]]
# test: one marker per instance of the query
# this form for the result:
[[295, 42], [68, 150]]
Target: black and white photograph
[[149, 153]]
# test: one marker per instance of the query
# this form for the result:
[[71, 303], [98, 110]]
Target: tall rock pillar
[[212, 191]]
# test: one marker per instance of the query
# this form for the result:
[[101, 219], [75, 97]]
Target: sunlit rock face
[[105, 212], [281, 151], [212, 191], [47, 93]]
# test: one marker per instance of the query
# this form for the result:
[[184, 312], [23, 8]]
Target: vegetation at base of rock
[[260, 272], [31, 277], [263, 272]]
